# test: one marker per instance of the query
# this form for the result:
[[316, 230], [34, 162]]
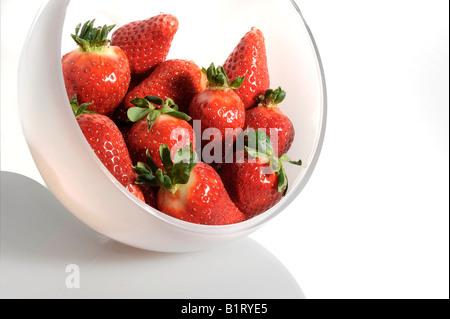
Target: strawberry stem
[[78, 109], [272, 97], [92, 39], [146, 107], [176, 172], [218, 79]]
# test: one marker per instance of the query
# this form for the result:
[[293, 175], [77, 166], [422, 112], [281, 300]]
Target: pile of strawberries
[[203, 145]]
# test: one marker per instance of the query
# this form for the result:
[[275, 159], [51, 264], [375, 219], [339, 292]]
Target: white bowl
[[76, 176]]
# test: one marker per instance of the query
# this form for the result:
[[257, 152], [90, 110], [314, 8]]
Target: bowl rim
[[257, 221]]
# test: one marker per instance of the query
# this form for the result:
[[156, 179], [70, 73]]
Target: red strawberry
[[189, 191], [179, 80], [155, 127], [219, 107], [137, 191], [146, 42], [257, 180], [96, 72], [268, 116], [108, 144], [120, 113], [124, 128], [150, 194], [249, 59]]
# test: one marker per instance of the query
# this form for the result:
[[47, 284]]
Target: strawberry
[[220, 108], [108, 144], [179, 80], [191, 191], [96, 72], [249, 60], [146, 42], [156, 126], [150, 193], [268, 116], [256, 180], [121, 113]]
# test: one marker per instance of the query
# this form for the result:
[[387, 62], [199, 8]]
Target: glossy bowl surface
[[209, 30]]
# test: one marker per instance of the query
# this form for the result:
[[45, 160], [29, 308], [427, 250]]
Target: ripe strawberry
[[179, 80], [146, 42], [150, 193], [219, 107], [96, 72], [156, 126], [121, 113], [257, 180], [249, 59], [191, 191], [108, 144], [268, 116]]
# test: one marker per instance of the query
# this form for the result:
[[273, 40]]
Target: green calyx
[[258, 145], [152, 107], [218, 79], [78, 109], [90, 38], [175, 172], [272, 97]]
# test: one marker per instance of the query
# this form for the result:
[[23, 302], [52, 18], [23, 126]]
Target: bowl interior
[[208, 32]]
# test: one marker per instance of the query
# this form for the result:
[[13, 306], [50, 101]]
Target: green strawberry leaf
[[177, 114], [280, 96], [150, 162], [170, 108], [183, 155], [86, 27], [145, 107], [185, 160], [282, 181], [78, 109], [285, 158], [181, 173], [237, 82], [152, 117], [255, 154], [194, 161], [137, 113], [176, 172], [77, 29], [91, 39], [163, 179], [140, 102], [164, 153], [155, 100], [259, 141], [167, 182], [145, 175], [217, 78], [211, 73], [272, 98], [142, 168], [282, 177]]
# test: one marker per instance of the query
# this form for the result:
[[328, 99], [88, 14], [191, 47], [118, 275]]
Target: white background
[[373, 220]]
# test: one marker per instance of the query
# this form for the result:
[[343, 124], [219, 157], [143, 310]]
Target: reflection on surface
[[40, 238]]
